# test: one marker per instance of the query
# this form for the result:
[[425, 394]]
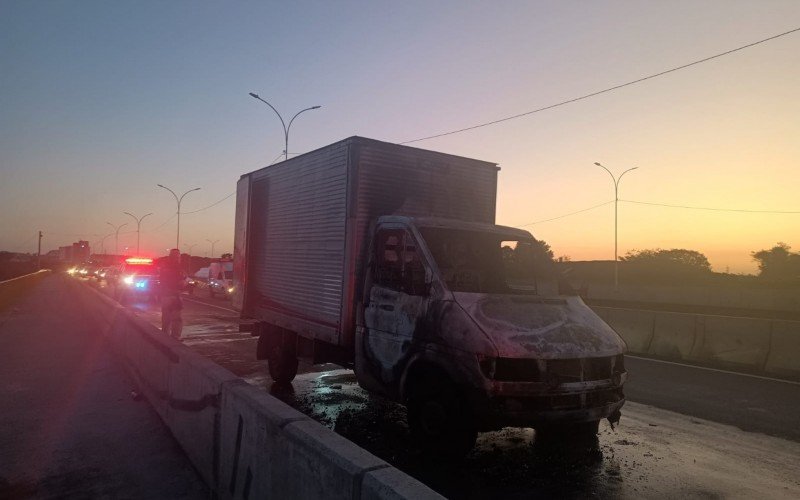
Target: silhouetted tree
[[676, 258], [543, 252], [677, 266], [778, 263]]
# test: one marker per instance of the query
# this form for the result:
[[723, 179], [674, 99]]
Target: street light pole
[[138, 226], [116, 237], [616, 204], [212, 246], [178, 200], [285, 127]]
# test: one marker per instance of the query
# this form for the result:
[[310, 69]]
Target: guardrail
[[750, 344], [13, 289], [243, 442]]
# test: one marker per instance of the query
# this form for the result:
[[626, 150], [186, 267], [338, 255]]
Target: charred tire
[[440, 420], [282, 364]]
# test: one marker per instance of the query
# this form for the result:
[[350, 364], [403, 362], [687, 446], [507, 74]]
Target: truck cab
[[465, 325]]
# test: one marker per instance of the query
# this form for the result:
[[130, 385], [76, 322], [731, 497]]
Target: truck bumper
[[530, 404]]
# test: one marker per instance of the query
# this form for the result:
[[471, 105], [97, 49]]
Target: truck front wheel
[[441, 421], [282, 364]]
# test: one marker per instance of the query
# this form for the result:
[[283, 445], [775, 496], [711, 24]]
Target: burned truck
[[386, 259]]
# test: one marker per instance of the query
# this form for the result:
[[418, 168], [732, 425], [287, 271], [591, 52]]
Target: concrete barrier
[[732, 341], [674, 336], [713, 296], [243, 442], [746, 344], [11, 290], [784, 353], [635, 326]]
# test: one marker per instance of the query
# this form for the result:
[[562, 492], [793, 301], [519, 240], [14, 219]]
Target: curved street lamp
[[285, 128], [138, 226], [178, 200], [616, 203], [213, 242], [116, 235]]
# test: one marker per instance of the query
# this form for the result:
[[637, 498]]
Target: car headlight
[[230, 290], [128, 280]]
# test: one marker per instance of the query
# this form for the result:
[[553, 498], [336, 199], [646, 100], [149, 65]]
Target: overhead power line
[[212, 205], [567, 215], [163, 223], [276, 159], [610, 89], [714, 209]]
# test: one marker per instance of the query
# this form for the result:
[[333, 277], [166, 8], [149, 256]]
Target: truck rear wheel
[[440, 420], [282, 364]]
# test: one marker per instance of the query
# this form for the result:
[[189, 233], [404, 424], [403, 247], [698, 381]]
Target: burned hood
[[546, 328]]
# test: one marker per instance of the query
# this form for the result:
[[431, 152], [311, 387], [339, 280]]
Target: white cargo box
[[302, 225]]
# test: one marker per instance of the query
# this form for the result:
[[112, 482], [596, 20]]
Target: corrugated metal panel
[[298, 239], [309, 218]]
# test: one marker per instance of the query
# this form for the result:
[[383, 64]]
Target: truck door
[[398, 299]]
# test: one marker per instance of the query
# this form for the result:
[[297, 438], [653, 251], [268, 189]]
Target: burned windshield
[[481, 262]]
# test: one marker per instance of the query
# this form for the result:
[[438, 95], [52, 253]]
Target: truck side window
[[388, 259], [398, 263]]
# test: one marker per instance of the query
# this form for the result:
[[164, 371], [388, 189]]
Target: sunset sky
[[101, 101]]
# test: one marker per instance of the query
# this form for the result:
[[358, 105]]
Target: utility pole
[[39, 253]]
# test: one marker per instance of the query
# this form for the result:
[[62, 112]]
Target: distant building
[[76, 253], [65, 253], [81, 251]]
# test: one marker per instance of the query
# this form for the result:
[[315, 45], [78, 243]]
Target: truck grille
[[564, 370]]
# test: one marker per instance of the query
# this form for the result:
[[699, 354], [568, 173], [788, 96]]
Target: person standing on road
[[171, 285]]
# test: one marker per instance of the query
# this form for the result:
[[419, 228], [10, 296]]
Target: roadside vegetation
[[778, 266]]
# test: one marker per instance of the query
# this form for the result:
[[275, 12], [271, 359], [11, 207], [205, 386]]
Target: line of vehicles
[[137, 278]]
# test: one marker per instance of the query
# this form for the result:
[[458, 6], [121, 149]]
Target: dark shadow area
[[510, 463]]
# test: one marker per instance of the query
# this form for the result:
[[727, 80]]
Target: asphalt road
[[751, 403], [685, 432], [69, 425]]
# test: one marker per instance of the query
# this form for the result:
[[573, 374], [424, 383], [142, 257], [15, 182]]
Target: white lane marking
[[792, 382], [210, 305]]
